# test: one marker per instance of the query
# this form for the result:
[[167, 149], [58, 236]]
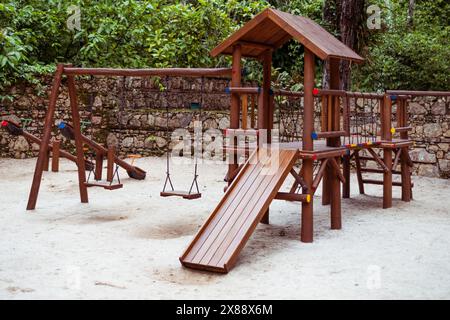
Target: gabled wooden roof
[[273, 28]]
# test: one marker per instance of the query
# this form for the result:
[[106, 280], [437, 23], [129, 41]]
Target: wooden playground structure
[[353, 127]]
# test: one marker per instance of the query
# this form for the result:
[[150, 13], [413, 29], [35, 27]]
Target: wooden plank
[[248, 219], [56, 155], [43, 149], [233, 195], [359, 172], [248, 193], [230, 238], [78, 139], [173, 72]]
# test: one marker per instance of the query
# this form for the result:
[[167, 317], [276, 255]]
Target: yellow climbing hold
[[392, 130], [308, 198]]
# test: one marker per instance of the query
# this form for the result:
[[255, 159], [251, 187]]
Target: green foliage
[[409, 58], [165, 33]]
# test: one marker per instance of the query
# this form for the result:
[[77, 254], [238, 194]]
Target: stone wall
[[131, 114], [430, 119]]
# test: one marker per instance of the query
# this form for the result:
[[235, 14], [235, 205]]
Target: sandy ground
[[125, 244]]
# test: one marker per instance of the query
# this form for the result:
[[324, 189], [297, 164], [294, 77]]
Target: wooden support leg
[[307, 208], [110, 167], [387, 180], [326, 199], [308, 127], [78, 139], [336, 223], [34, 192], [406, 176], [346, 169], [47, 160], [358, 172], [98, 166], [56, 155]]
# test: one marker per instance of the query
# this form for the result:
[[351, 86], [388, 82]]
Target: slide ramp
[[218, 243]]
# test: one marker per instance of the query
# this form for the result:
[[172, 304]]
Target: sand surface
[[125, 244]]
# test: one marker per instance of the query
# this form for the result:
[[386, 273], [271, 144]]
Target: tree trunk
[[352, 16], [411, 7], [331, 16]]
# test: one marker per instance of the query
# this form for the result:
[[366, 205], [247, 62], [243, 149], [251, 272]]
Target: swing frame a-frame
[[70, 72]]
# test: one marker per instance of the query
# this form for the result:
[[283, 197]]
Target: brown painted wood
[[287, 196], [380, 182], [43, 149], [56, 153], [235, 103], [222, 237], [78, 139], [319, 175], [419, 93], [406, 176], [47, 160], [330, 134], [33, 139], [378, 160], [308, 128], [275, 28], [255, 210], [359, 172], [184, 194], [110, 163], [170, 72], [99, 166], [233, 195], [346, 165], [252, 112], [387, 155], [265, 112], [104, 185]]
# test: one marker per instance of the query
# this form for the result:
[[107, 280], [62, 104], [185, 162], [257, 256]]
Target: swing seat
[[104, 185], [183, 194]]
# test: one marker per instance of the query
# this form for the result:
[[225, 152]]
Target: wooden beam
[[255, 45], [307, 228], [78, 139], [43, 149], [171, 72]]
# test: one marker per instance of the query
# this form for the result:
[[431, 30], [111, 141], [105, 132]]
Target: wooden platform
[[183, 194], [218, 243], [104, 185], [320, 150]]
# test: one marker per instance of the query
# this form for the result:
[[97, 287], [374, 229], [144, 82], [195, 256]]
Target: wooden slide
[[218, 243]]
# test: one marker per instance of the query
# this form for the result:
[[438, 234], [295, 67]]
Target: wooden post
[[110, 164], [56, 155], [346, 170], [252, 112], [98, 166], [264, 110], [405, 169], [235, 105], [244, 111], [43, 150], [47, 160], [78, 139], [308, 127], [334, 188], [387, 153], [333, 118]]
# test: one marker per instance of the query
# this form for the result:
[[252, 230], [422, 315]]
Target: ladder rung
[[371, 170]]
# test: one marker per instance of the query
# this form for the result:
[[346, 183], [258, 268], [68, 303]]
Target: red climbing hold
[[4, 123], [315, 91]]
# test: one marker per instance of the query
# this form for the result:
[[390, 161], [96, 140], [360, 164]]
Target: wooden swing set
[[73, 131]]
